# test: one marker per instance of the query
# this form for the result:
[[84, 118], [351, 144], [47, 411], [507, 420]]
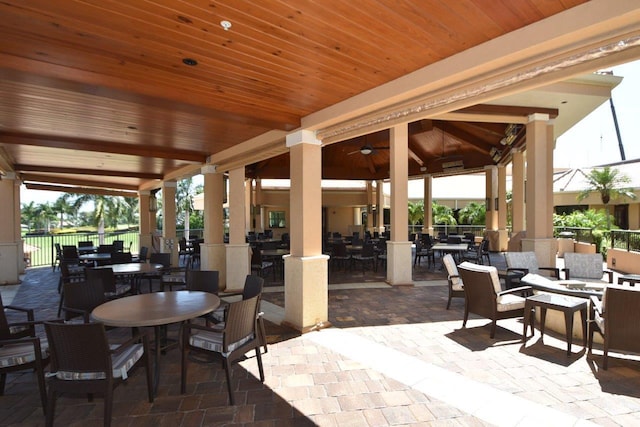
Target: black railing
[[580, 234], [40, 248], [626, 240]]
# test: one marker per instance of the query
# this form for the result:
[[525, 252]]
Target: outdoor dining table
[[133, 270], [96, 257], [157, 309]]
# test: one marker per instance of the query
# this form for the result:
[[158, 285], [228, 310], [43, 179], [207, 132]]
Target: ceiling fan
[[367, 149]]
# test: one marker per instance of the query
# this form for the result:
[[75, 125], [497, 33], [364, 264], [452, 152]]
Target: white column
[[517, 192], [212, 251], [428, 201], [399, 268], [237, 251], [146, 219], [11, 250], [503, 233], [539, 190], [169, 243], [306, 272]]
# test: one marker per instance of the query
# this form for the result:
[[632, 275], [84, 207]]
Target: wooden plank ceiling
[[100, 93]]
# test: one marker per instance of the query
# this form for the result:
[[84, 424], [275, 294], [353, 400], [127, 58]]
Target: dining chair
[[340, 255], [142, 255], [69, 272], [527, 262], [158, 258], [424, 251], [112, 287], [238, 336], [80, 298], [259, 265], [483, 295], [20, 348], [82, 361], [616, 319], [367, 255], [456, 286]]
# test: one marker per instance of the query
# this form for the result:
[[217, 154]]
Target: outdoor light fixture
[[366, 150], [510, 134], [454, 165], [153, 202], [495, 154]]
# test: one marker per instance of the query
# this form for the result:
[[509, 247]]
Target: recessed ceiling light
[[225, 25], [132, 127], [190, 62]]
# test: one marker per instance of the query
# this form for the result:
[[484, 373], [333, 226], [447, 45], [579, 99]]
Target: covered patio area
[[394, 356]]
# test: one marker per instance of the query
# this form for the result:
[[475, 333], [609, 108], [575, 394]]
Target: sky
[[590, 142]]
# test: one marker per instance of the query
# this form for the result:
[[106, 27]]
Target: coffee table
[[631, 278], [156, 309], [564, 303]]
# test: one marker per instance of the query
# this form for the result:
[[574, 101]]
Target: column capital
[[144, 193], [209, 169], [170, 184], [302, 137], [9, 175], [491, 167], [535, 117]]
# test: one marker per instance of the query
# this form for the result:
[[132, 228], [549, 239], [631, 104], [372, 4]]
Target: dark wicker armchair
[[484, 297], [83, 362], [239, 335], [616, 318], [20, 349]]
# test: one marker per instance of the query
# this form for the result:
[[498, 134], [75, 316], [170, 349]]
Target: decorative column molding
[[428, 201], [539, 189], [212, 251], [306, 272], [399, 248], [517, 192], [237, 251]]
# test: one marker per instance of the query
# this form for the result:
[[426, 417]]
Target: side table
[[567, 304]]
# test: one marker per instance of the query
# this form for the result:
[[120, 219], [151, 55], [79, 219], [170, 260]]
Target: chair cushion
[[20, 354], [121, 364], [585, 266], [509, 302], [17, 329], [452, 270], [212, 341], [491, 270]]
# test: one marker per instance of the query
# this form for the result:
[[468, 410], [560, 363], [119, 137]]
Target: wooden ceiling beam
[[76, 182], [81, 144], [80, 171], [80, 190]]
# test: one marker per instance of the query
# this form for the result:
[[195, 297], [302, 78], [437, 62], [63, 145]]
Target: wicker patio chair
[[456, 287], [616, 318], [239, 335], [20, 349], [484, 297], [82, 361]]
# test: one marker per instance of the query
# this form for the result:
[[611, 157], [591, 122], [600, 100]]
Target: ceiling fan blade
[[353, 152]]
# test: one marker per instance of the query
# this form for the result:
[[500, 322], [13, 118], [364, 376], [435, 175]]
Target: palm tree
[[63, 208], [443, 214], [29, 215], [610, 183], [184, 201], [102, 206], [473, 213], [416, 212]]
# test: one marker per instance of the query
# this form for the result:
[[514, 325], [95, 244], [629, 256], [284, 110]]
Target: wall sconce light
[[510, 134], [153, 202], [495, 154], [496, 202]]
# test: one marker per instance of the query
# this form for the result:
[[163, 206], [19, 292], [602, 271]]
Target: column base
[[213, 257], [10, 261], [399, 264], [306, 292], [238, 265], [503, 239], [545, 249]]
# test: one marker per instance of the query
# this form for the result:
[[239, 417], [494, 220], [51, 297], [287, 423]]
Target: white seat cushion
[[121, 364], [20, 354], [509, 302], [212, 341]]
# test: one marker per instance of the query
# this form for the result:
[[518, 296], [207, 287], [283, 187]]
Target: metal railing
[[625, 239], [580, 234], [40, 249]]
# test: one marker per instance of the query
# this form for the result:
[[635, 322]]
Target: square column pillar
[[428, 201], [11, 250], [399, 268], [306, 273], [539, 190], [503, 233], [517, 192], [379, 207], [212, 251], [237, 251], [146, 219], [169, 244]]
